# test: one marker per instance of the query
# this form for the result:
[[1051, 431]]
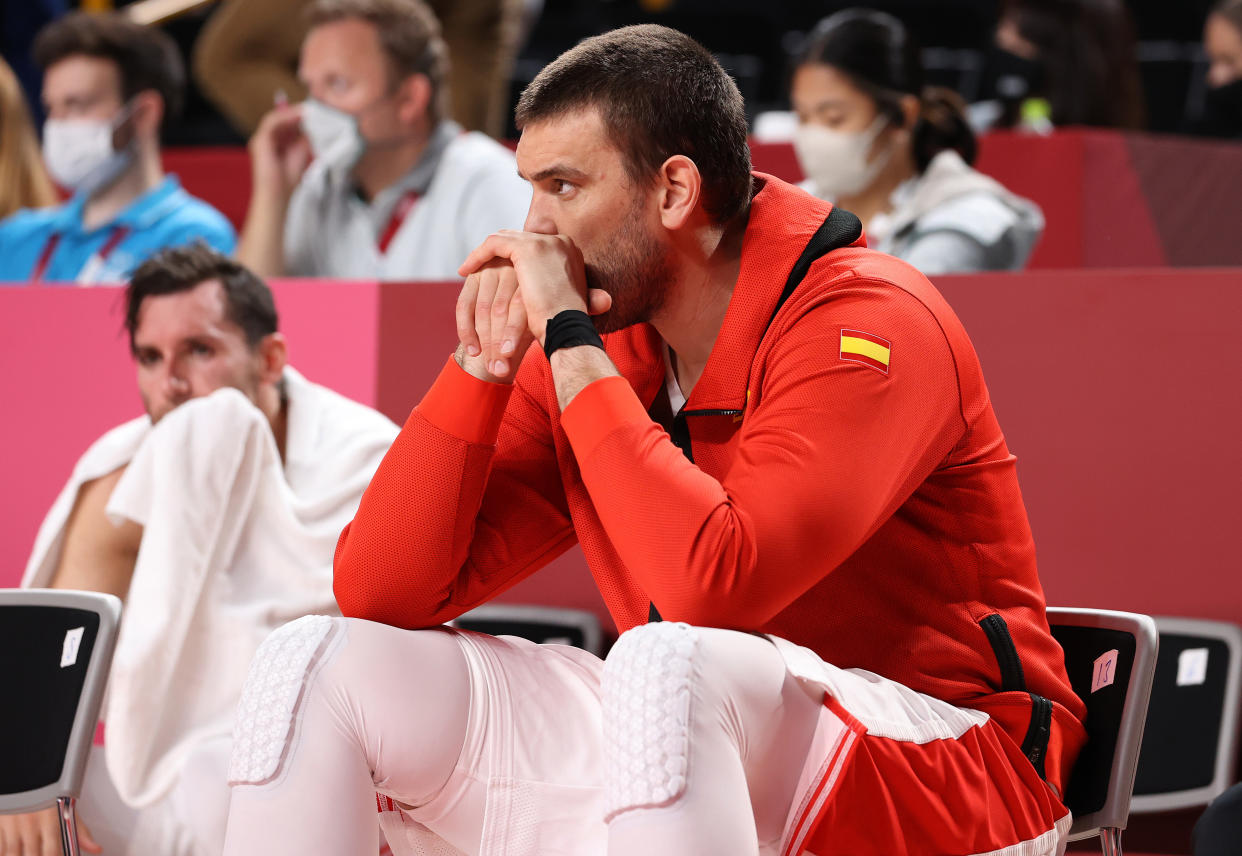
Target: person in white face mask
[[108, 86], [369, 177], [874, 140]]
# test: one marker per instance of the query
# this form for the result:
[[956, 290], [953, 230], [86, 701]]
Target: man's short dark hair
[[660, 94], [146, 58], [248, 301], [409, 35]]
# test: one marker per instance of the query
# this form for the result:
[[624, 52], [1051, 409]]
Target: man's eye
[[200, 350], [560, 187], [146, 359]]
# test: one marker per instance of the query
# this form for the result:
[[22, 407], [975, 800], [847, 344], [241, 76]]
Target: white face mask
[[836, 161], [332, 133], [79, 154]]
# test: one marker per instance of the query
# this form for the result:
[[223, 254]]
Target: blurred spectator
[[874, 140], [248, 52], [23, 181], [20, 22], [1222, 41], [396, 189], [108, 86], [214, 517], [483, 38], [1062, 62]]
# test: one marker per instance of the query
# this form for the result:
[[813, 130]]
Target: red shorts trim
[[973, 794]]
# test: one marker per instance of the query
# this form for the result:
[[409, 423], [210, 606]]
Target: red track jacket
[[851, 490]]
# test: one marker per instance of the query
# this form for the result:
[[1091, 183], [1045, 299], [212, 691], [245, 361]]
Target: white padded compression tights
[[746, 723], [499, 746], [385, 710]]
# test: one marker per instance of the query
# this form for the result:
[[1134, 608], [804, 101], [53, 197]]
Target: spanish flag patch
[[860, 347]]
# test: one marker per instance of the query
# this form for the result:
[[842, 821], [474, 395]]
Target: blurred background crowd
[[883, 109], [1159, 66]]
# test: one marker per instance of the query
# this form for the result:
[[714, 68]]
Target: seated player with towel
[[214, 517]]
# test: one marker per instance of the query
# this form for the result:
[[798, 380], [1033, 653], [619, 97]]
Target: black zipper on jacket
[[1039, 731], [839, 229], [1035, 746], [1006, 653], [710, 413]]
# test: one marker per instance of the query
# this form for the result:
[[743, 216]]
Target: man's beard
[[635, 271]]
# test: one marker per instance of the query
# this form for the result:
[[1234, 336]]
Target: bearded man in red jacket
[[772, 438]]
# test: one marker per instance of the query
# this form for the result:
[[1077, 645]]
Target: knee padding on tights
[[647, 687], [269, 704]]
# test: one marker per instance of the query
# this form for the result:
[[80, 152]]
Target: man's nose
[[538, 221], [176, 386]]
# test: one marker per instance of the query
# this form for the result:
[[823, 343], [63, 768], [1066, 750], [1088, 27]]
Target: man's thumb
[[598, 301]]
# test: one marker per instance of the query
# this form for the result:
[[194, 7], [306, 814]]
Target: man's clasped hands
[[515, 283]]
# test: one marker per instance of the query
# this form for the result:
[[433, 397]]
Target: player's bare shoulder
[[98, 555]]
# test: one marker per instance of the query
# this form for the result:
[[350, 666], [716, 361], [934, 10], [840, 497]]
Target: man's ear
[[146, 115], [680, 186], [274, 354], [415, 93]]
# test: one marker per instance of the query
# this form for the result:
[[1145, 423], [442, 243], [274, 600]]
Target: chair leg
[[1110, 841], [68, 825]]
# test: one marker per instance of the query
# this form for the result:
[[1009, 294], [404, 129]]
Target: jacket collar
[[782, 220]]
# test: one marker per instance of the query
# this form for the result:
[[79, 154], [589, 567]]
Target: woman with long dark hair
[[876, 141], [1076, 56]]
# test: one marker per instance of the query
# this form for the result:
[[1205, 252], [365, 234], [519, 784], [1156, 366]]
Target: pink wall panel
[[1117, 391], [65, 377], [333, 333]]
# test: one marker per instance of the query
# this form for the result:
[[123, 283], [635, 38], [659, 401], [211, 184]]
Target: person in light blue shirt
[[108, 86]]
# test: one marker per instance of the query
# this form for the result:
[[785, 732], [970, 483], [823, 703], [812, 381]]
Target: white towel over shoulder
[[234, 545]]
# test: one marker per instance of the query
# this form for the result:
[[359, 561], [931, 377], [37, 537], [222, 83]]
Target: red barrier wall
[[1118, 391]]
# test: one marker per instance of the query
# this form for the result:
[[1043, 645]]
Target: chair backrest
[[1110, 657], [55, 651], [542, 624], [1190, 744]]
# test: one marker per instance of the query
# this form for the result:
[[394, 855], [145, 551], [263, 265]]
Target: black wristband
[[570, 328]]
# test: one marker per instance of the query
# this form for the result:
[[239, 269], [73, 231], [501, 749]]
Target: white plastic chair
[[1111, 658], [55, 651]]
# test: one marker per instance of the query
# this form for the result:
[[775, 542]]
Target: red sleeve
[[466, 502], [827, 451]]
